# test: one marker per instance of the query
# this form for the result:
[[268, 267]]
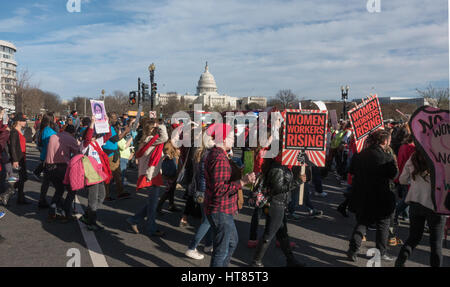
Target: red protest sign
[[304, 133], [365, 118]]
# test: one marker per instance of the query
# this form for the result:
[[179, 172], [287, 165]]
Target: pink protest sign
[[431, 130]]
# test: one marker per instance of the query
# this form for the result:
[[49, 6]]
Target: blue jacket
[[45, 138]]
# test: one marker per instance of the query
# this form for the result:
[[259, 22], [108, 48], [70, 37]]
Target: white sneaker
[[208, 249], [194, 254], [323, 194]]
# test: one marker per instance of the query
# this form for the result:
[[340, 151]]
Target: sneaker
[[12, 179], [124, 195], [293, 216], [208, 249], [322, 194], [194, 254], [183, 223], [2, 214], [252, 243], [133, 225], [316, 213], [385, 257]]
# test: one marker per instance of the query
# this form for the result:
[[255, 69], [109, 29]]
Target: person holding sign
[[111, 148], [279, 181]]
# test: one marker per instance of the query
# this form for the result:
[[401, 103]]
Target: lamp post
[[151, 69], [344, 93]]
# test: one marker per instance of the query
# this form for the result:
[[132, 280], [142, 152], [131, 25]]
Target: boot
[[287, 250], [21, 198], [7, 195], [261, 249]]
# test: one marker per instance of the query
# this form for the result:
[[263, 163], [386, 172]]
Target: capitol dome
[[206, 83]]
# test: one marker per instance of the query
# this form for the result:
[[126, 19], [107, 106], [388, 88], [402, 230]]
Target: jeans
[[382, 234], [96, 195], [402, 207], [149, 210], [56, 174], [257, 212], [225, 238], [203, 229], [418, 215], [295, 198], [123, 168], [44, 187]]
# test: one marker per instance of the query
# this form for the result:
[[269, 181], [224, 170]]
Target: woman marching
[[279, 182], [18, 150], [417, 173], [100, 174], [150, 157]]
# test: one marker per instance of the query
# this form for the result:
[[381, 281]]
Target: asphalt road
[[32, 241]]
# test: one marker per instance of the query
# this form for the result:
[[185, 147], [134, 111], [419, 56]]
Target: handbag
[[259, 195]]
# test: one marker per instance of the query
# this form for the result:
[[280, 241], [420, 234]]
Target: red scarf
[[155, 157], [105, 161]]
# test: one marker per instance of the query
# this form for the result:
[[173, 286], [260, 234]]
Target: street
[[31, 241]]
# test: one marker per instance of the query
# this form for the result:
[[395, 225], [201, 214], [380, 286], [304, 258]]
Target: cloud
[[254, 48]]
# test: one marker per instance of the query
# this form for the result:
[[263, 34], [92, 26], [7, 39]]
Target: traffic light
[[145, 91], [132, 98], [154, 89]]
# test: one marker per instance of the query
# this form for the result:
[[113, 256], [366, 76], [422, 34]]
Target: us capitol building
[[207, 95]]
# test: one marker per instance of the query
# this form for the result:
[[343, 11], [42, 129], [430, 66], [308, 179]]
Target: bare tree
[[287, 99], [440, 96]]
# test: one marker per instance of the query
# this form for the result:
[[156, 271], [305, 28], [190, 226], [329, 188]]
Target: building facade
[[207, 95], [8, 76]]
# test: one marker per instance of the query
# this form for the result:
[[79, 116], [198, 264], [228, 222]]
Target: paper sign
[[321, 105], [334, 121], [365, 118], [431, 130], [101, 120], [304, 135]]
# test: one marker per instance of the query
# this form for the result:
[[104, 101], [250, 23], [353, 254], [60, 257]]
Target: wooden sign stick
[[302, 187]]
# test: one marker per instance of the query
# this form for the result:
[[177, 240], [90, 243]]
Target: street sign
[[152, 114]]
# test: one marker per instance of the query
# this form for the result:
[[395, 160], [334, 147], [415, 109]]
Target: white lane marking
[[95, 251]]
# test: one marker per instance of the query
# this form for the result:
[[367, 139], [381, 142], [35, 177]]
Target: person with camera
[[150, 155], [111, 148]]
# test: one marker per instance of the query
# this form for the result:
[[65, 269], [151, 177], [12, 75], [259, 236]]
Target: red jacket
[[404, 153]]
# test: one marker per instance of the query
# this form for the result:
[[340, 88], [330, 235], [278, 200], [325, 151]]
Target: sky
[[253, 47]]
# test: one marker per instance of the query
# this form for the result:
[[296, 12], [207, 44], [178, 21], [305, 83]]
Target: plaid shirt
[[221, 195]]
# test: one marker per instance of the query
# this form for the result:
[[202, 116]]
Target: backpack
[[169, 167]]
